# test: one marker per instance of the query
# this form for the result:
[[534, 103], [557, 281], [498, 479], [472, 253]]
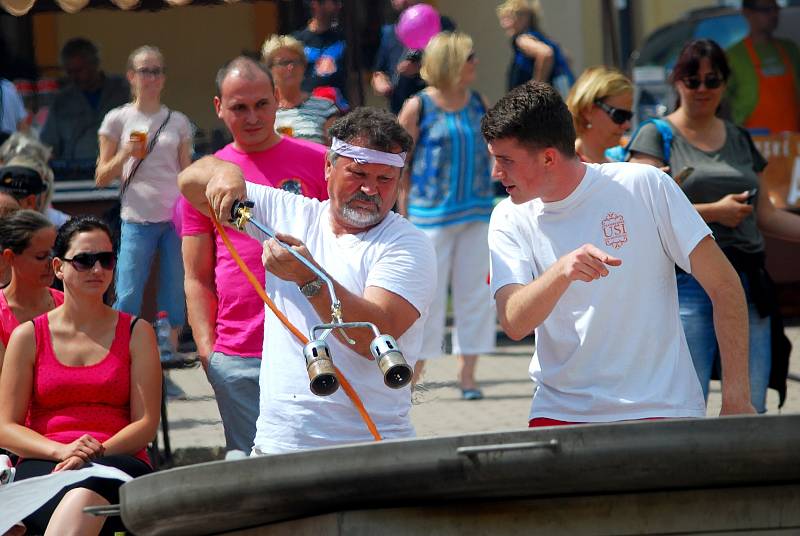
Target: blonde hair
[[444, 57], [595, 83], [148, 49], [277, 42], [522, 8], [144, 49]]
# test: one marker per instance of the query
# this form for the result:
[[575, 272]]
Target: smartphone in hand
[[684, 174], [751, 196]]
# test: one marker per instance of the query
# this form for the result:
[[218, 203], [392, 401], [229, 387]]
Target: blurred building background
[[199, 36]]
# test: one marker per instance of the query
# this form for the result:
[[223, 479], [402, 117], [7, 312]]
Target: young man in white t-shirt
[[383, 270], [584, 255]]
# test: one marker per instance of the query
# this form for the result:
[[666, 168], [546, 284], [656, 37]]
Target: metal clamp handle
[[505, 447], [105, 510], [241, 214]]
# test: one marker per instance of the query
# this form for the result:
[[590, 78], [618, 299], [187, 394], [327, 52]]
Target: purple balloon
[[417, 24]]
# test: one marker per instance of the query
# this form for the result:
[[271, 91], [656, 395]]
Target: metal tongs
[[321, 371]]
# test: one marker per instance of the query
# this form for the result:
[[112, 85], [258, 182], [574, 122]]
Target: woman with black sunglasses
[[724, 188], [26, 238], [80, 384], [600, 103]]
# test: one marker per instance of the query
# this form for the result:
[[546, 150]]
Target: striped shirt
[[307, 120]]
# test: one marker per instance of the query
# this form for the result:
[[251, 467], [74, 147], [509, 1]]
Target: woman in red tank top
[[26, 238], [80, 384]]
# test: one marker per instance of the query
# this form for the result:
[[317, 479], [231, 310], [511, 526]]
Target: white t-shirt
[[153, 191], [393, 255], [612, 349]]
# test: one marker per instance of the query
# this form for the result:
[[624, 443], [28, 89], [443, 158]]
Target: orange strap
[[348, 389]]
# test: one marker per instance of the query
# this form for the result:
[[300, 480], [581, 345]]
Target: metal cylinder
[[396, 372], [321, 372]]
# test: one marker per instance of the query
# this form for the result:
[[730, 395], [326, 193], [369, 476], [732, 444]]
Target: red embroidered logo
[[614, 231]]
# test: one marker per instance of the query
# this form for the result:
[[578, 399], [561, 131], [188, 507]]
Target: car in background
[[653, 62]]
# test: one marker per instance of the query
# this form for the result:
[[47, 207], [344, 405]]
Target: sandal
[[471, 394]]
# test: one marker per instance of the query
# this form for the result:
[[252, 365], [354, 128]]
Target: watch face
[[311, 288]]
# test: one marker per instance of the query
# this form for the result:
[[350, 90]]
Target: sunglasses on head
[[711, 81], [617, 115], [83, 262]]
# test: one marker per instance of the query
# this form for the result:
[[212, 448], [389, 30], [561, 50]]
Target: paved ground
[[438, 409]]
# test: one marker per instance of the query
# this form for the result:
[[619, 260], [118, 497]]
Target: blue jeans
[[235, 383], [698, 325], [138, 245]]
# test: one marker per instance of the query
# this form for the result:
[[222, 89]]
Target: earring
[[588, 125]]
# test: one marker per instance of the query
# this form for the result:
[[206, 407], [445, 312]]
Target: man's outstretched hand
[[587, 263]]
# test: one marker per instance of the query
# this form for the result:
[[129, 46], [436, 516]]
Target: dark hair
[[377, 128], [535, 115], [17, 229], [82, 47], [246, 64], [78, 224], [688, 62]]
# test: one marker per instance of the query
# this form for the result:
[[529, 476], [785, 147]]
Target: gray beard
[[361, 218]]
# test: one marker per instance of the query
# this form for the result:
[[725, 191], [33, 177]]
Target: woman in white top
[[148, 167]]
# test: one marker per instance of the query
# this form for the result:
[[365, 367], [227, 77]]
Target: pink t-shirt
[[294, 165]]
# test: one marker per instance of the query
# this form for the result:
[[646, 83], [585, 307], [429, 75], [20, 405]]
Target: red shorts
[[539, 422]]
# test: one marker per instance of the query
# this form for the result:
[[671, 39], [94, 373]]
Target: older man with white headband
[[383, 270]]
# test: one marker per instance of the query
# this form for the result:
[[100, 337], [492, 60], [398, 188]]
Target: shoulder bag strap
[[150, 147]]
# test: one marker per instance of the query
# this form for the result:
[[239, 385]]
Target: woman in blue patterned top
[[448, 193], [299, 114]]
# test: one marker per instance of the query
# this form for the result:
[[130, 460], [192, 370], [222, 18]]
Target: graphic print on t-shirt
[[324, 59], [614, 232], [292, 185]]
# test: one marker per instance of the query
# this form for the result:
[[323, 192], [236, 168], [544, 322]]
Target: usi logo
[[614, 232]]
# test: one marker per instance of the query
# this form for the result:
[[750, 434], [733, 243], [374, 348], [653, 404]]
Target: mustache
[[361, 196]]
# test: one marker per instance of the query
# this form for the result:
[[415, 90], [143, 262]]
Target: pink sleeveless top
[[68, 402], [7, 319]]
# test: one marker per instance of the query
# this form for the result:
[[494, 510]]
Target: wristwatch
[[311, 288]]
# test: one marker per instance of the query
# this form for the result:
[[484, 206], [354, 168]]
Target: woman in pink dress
[[26, 238], [81, 384]]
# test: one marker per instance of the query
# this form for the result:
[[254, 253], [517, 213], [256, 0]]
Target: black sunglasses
[[618, 115], [711, 81], [83, 262]]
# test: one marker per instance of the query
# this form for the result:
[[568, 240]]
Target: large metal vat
[[714, 476]]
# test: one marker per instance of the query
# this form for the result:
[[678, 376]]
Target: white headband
[[363, 155]]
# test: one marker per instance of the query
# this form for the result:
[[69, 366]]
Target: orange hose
[[346, 386]]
